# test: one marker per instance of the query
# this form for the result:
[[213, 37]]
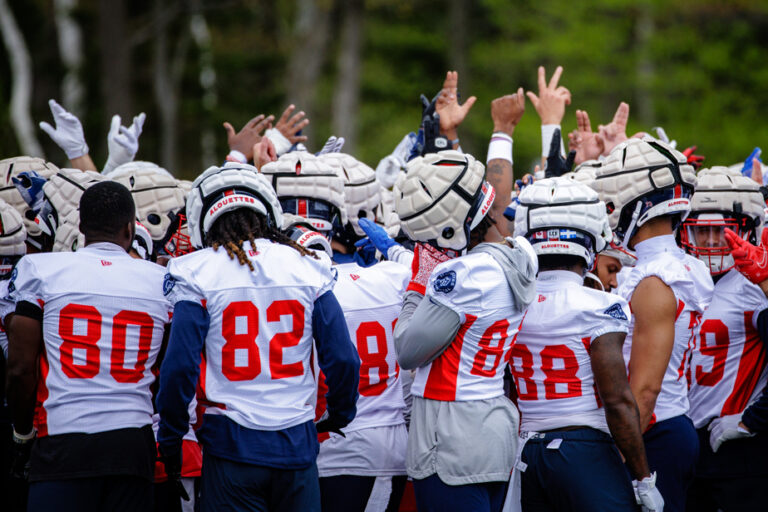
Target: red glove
[[425, 259], [751, 261]]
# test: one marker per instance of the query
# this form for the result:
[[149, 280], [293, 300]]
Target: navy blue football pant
[[94, 494], [576, 470], [432, 495], [235, 486], [672, 448], [350, 493], [734, 479]]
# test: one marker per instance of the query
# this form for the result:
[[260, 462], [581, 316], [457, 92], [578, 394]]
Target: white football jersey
[[689, 280], [551, 357], [371, 299], [7, 307], [472, 367], [256, 367], [104, 315], [728, 365]]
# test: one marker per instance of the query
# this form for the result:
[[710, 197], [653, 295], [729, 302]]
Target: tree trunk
[[198, 27], [346, 98], [167, 71], [457, 21], [71, 52], [644, 33], [21, 89], [115, 60], [309, 41]]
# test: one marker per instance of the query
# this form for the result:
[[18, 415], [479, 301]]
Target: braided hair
[[235, 227]]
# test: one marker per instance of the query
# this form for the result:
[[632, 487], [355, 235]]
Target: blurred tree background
[[357, 67]]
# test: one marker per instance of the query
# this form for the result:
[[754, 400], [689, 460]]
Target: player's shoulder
[[383, 277], [601, 305], [687, 276], [736, 287]]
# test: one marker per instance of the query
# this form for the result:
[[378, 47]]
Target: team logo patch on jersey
[[168, 284], [616, 312], [445, 282]]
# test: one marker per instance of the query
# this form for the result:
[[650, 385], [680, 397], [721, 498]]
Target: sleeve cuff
[[547, 132]]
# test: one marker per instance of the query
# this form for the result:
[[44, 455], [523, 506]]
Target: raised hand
[[122, 142], [583, 140], [507, 111], [263, 152], [290, 124], [451, 113], [244, 140], [68, 134], [615, 132], [552, 99]]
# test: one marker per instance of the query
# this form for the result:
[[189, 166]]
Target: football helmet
[[59, 218], [309, 187], [226, 188], [724, 198], [362, 194], [562, 216], [11, 168], [443, 197], [158, 197], [12, 237], [642, 179]]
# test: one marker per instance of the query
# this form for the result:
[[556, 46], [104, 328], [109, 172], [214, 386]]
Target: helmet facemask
[[704, 237]]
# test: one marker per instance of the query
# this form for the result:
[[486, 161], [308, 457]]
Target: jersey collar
[[553, 279], [651, 247], [103, 247]]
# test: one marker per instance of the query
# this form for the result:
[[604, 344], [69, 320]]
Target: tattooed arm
[[499, 175], [621, 411]]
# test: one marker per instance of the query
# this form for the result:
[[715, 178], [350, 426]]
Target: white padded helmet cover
[[12, 231], [63, 191], [208, 199], [156, 194], [303, 175], [720, 188], [562, 204], [434, 198], [638, 167], [361, 187], [10, 168]]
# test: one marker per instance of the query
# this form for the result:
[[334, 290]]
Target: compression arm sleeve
[[423, 330], [179, 373]]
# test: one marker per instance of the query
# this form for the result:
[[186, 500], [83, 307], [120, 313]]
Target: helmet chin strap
[[597, 279], [628, 235]]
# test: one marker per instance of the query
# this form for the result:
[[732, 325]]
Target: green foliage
[[695, 67]]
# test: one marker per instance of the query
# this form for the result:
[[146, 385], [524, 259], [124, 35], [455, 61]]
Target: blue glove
[[30, 186], [747, 169], [377, 236]]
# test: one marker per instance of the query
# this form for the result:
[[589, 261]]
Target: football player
[[728, 365], [85, 334], [646, 186], [456, 328], [371, 297], [251, 302], [567, 363]]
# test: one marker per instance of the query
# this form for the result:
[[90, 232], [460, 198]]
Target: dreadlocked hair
[[233, 228]]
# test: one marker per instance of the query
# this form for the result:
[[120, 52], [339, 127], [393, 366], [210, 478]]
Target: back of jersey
[[257, 359], [551, 359], [104, 316], [472, 367], [371, 299]]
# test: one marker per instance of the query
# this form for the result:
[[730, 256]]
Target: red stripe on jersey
[[751, 365], [202, 398], [441, 382], [587, 346], [680, 308], [322, 404], [41, 415], [651, 423], [204, 303]]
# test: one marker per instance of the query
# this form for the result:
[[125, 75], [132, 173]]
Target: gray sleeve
[[423, 330]]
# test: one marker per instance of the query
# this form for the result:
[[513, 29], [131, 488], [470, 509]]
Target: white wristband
[[547, 132], [500, 147], [281, 143], [236, 156]]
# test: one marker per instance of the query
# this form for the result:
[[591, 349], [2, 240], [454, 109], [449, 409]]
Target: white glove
[[332, 145], [388, 170], [68, 134], [123, 143], [724, 429], [647, 495], [280, 141]]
